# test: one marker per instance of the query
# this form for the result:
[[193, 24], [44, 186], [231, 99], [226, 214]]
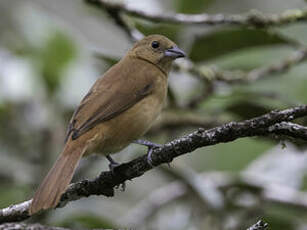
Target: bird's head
[[158, 50]]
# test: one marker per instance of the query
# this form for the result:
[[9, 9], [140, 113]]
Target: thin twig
[[260, 225], [146, 208], [124, 23], [210, 74], [268, 193]]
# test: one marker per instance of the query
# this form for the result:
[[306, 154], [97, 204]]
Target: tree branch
[[24, 226], [105, 183], [289, 129], [252, 18], [260, 225], [208, 74], [222, 182], [214, 74]]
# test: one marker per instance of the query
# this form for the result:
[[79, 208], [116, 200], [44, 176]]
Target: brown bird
[[119, 108]]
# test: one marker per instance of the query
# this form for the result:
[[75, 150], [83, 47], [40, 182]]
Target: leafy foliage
[[32, 129], [222, 41]]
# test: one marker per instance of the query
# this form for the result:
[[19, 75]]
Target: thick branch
[[289, 129], [105, 183], [25, 226], [260, 225], [252, 18]]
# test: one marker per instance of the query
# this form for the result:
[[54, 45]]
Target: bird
[[119, 108]]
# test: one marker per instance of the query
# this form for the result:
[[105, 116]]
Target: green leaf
[[86, 220], [221, 42], [192, 6], [253, 57], [12, 194], [170, 31], [54, 57], [110, 61], [247, 109], [233, 156]]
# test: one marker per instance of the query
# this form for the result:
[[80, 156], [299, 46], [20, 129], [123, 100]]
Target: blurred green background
[[48, 62]]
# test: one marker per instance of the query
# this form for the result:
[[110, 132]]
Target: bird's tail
[[55, 183]]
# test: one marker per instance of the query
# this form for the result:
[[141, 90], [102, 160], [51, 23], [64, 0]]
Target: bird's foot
[[112, 165], [151, 146]]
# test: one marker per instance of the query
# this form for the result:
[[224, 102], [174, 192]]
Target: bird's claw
[[122, 186], [149, 160], [147, 143], [151, 146], [112, 165]]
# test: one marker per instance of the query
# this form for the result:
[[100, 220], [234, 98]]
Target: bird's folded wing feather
[[120, 88]]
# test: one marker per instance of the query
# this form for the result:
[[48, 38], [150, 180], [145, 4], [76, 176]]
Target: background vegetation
[[51, 52]]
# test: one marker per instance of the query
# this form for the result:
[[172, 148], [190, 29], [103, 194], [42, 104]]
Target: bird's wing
[[120, 88]]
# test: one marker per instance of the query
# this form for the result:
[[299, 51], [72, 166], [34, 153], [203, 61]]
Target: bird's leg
[[112, 165], [147, 143], [151, 146]]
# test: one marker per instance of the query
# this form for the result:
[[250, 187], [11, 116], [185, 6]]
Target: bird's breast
[[115, 134]]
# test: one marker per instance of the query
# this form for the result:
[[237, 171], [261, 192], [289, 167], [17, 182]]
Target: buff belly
[[114, 135]]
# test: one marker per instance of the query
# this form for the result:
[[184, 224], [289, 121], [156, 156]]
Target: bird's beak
[[174, 52]]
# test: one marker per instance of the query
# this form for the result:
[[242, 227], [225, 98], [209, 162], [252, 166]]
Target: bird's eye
[[155, 44]]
